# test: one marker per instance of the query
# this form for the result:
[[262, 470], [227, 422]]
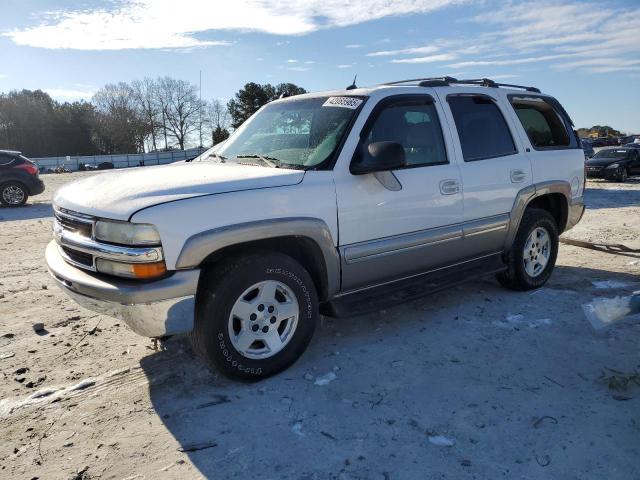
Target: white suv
[[326, 202]]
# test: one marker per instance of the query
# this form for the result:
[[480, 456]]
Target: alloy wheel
[[263, 319], [537, 250], [13, 195]]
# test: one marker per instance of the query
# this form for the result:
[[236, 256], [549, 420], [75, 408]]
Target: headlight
[[613, 165], [126, 233], [140, 271]]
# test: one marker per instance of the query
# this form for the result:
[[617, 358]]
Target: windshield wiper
[[270, 161], [214, 155]]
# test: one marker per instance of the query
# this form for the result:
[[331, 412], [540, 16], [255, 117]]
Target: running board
[[401, 291]]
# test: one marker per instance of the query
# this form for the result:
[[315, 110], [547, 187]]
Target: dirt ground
[[474, 383]]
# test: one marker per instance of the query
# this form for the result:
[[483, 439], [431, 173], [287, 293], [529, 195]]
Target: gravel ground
[[474, 383]]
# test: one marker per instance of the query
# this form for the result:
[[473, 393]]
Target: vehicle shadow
[[611, 197], [30, 211], [287, 427]]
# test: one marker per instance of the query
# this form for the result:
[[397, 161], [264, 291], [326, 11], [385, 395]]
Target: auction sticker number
[[345, 102]]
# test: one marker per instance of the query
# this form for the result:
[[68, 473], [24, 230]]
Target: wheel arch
[[553, 196], [307, 240]]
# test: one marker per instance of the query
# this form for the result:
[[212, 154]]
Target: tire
[[13, 194], [238, 288], [528, 275], [623, 175]]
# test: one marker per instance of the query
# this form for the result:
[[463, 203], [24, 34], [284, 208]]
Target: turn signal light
[[141, 271]]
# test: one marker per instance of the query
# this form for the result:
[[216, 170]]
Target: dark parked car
[[632, 145], [614, 164], [587, 148], [19, 179], [100, 166]]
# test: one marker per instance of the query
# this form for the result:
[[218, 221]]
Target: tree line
[[141, 116]]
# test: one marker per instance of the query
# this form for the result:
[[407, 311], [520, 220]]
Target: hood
[[119, 194], [603, 162]]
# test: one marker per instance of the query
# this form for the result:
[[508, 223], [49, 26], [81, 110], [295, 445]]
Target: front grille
[[79, 257], [76, 226]]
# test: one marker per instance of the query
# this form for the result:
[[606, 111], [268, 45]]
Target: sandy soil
[[476, 382]]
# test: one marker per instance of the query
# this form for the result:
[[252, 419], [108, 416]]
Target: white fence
[[119, 161]]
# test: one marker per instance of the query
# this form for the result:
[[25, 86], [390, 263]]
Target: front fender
[[198, 247]]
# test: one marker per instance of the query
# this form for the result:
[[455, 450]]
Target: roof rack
[[446, 81]]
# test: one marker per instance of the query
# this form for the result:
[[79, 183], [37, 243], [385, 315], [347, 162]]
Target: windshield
[[612, 153], [291, 134]]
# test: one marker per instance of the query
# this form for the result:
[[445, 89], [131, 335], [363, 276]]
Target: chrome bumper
[[152, 309]]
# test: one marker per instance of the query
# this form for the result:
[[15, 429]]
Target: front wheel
[[255, 315], [13, 194], [533, 254]]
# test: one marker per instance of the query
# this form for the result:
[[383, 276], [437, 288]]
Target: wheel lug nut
[[253, 316], [255, 328], [260, 307], [271, 309], [265, 329], [273, 320]]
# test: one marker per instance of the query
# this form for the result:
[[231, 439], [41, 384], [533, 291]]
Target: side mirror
[[379, 157]]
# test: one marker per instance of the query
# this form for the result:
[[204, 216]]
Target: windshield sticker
[[345, 102]]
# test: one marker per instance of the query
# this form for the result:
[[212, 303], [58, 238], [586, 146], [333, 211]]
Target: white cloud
[[298, 69], [65, 94], [310, 62], [291, 60], [584, 34], [601, 65], [130, 24], [405, 51], [503, 76], [509, 61], [2, 75], [354, 45], [344, 65], [443, 57]]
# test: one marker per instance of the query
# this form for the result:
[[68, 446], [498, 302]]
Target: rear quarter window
[[5, 159], [543, 124]]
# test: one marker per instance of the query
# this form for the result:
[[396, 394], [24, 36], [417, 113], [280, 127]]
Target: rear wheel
[[13, 194], [533, 254], [255, 315], [623, 175]]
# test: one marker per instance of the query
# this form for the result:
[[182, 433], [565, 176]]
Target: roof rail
[[445, 81]]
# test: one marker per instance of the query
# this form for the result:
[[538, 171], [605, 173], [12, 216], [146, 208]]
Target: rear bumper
[[36, 187], [152, 309], [576, 211]]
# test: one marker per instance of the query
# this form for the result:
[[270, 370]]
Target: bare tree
[[146, 93], [180, 108], [218, 120], [121, 127]]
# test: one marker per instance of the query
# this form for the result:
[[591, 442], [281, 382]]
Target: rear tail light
[[30, 168]]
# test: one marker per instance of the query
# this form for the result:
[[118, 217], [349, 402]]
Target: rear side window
[[544, 126], [6, 159], [482, 129]]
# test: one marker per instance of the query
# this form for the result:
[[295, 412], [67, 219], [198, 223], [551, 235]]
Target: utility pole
[[200, 108]]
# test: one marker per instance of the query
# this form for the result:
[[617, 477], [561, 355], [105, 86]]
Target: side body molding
[[527, 194], [200, 246]]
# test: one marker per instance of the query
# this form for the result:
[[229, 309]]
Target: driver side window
[[414, 124]]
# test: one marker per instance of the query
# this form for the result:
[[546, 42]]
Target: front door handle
[[449, 187], [518, 176]]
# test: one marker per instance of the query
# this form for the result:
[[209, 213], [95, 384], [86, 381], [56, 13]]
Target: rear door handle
[[449, 187], [518, 176]]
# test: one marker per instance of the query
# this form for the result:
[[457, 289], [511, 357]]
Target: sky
[[585, 54]]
